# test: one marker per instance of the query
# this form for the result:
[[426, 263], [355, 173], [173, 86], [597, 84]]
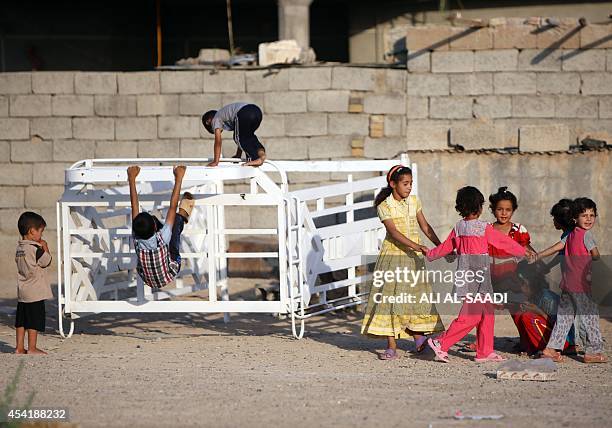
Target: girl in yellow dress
[[402, 216]]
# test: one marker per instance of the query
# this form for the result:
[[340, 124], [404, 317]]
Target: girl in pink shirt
[[470, 239]]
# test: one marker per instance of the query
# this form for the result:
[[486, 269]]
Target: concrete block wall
[[506, 79]]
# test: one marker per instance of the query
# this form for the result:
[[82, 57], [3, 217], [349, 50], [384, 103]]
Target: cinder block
[[419, 62], [605, 107], [393, 103], [539, 60], [538, 106], [309, 78], [514, 37], [427, 137], [596, 83], [33, 150], [395, 126], [427, 84], [471, 84], [139, 83], [267, 80], [14, 129], [16, 174], [12, 197], [49, 173], [181, 81], [348, 124], [576, 106], [394, 81], [95, 83], [599, 36], [285, 102], [53, 82], [357, 78], [203, 148], [250, 98], [50, 128], [544, 138], [434, 37], [417, 107], [331, 101], [514, 83], [383, 148], [116, 149], [472, 38], [496, 60], [93, 128], [4, 106], [73, 150], [329, 147], [272, 125], [558, 83], [178, 127], [561, 37], [286, 148], [42, 196], [356, 102], [306, 124], [609, 59], [15, 83], [72, 105], [224, 81], [30, 105], [159, 149], [377, 126], [8, 220], [452, 62], [476, 135], [584, 60], [115, 105], [136, 128], [158, 105], [5, 150], [198, 104], [455, 107], [492, 107]]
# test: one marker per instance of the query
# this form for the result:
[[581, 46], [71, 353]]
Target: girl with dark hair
[[471, 238], [402, 215]]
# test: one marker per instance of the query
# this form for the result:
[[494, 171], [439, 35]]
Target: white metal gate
[[96, 261]]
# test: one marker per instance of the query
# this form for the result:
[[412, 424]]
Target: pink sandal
[[493, 357], [389, 354], [437, 348]]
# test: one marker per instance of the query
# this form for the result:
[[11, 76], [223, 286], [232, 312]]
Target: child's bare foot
[[20, 351], [36, 351], [256, 162]]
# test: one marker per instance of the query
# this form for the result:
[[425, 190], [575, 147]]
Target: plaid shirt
[[155, 266]]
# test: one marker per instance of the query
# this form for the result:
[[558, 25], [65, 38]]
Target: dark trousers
[[247, 121], [175, 241]]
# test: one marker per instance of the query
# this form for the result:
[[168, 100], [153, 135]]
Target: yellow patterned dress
[[383, 318]]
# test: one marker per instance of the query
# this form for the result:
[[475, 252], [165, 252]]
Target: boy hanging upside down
[[157, 246], [243, 119]]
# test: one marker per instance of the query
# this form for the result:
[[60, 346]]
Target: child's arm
[[399, 237], [217, 148], [426, 228], [503, 242], [444, 248], [132, 173], [43, 256], [595, 254], [179, 173], [551, 250]]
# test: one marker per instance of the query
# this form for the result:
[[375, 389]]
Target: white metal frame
[[96, 262]]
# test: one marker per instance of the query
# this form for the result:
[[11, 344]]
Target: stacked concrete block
[[544, 138]]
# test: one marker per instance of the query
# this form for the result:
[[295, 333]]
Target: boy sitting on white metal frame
[[157, 246]]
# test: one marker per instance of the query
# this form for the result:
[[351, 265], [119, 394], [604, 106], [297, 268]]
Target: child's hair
[[29, 220], [206, 118], [503, 194], [561, 212], [143, 226], [393, 175], [469, 201], [580, 205]]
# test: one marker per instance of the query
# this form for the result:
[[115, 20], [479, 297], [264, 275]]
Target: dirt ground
[[193, 370]]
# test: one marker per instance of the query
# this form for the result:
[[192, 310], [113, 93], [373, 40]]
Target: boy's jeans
[[175, 241]]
